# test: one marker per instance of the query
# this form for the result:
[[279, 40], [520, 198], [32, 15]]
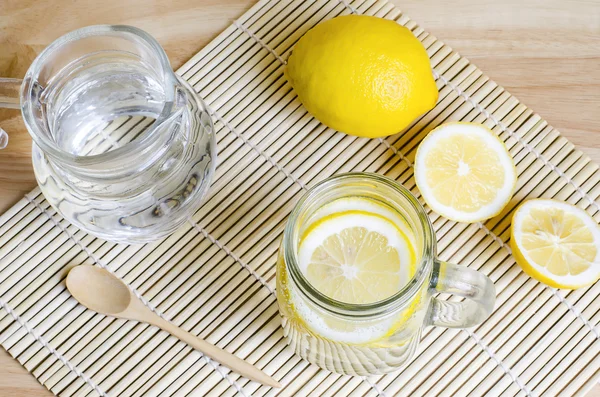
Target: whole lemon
[[362, 75]]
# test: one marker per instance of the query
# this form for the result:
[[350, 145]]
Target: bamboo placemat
[[216, 276]]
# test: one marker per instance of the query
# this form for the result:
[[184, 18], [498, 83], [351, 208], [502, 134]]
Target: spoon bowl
[[98, 290]]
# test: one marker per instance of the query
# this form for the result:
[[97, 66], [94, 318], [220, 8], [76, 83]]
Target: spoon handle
[[227, 359]]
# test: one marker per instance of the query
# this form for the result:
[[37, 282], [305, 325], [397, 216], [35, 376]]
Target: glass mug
[[307, 313], [122, 147]]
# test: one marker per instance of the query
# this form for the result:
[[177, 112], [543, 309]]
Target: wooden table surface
[[546, 52]]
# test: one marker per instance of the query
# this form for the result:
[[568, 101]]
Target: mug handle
[[477, 289]]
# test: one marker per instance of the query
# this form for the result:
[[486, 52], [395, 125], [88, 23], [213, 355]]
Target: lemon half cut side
[[464, 172], [556, 243]]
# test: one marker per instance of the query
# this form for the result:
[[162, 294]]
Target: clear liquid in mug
[[359, 251]]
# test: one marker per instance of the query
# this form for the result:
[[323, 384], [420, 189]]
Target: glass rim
[[400, 298], [47, 144]]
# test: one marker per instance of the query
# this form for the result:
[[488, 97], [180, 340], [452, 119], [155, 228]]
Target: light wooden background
[[545, 52]]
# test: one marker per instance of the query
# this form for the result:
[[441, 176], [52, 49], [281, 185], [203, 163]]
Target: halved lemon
[[356, 257], [464, 172], [556, 243]]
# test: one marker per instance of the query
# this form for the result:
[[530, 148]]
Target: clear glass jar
[[123, 148], [373, 338]]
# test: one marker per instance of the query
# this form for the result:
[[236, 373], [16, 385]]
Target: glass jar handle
[[477, 289], [10, 90]]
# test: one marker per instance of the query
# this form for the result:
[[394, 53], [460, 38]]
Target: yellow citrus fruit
[[356, 257], [556, 243], [362, 75], [464, 172]]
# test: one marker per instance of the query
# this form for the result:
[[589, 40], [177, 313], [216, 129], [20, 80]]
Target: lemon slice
[[356, 257], [556, 243], [465, 172]]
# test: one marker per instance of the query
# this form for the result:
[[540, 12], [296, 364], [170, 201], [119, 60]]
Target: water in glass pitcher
[[89, 103]]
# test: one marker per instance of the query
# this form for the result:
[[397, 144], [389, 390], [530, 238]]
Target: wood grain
[[545, 52]]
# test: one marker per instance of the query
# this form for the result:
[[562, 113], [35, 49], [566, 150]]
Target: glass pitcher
[[122, 147], [363, 339]]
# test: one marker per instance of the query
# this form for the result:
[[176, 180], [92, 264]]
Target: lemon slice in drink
[[356, 257], [465, 172], [556, 243]]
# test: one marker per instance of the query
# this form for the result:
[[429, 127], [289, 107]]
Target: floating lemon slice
[[356, 257], [556, 243], [341, 243], [465, 172]]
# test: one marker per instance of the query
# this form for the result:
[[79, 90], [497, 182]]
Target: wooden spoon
[[102, 292]]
